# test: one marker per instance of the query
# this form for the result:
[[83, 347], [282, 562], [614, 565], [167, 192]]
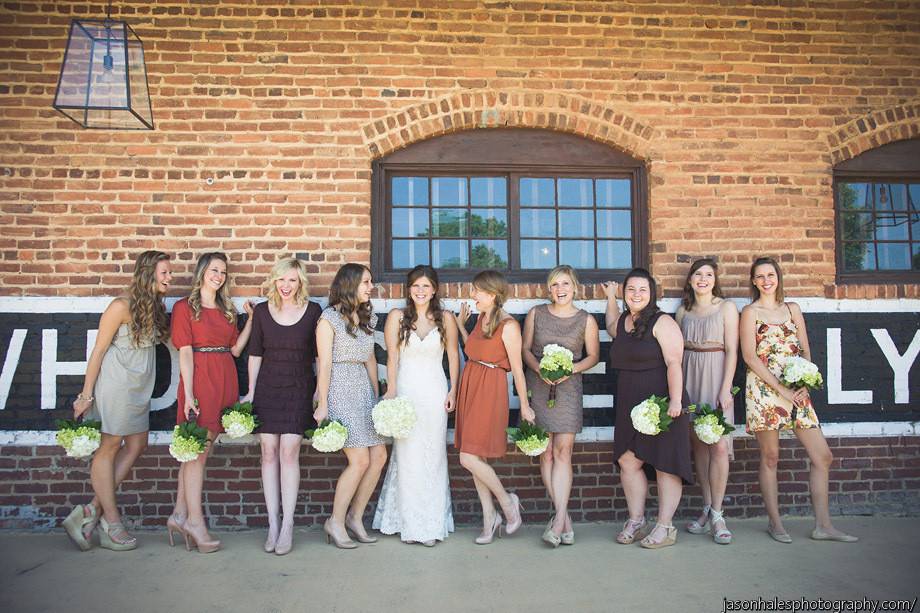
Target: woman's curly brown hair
[[343, 296], [410, 313], [148, 313]]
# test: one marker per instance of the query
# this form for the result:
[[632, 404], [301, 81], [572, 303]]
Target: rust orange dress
[[482, 401]]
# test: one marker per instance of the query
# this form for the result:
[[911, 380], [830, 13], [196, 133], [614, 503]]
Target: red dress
[[215, 382]]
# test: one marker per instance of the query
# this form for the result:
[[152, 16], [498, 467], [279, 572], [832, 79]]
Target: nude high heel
[[340, 541], [514, 521], [197, 536], [357, 528], [173, 525], [486, 539]]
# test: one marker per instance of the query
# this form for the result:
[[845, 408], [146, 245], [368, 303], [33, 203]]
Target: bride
[[415, 499]]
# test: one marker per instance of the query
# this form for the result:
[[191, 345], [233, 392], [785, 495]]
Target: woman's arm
[[511, 337], [730, 343], [391, 336], [748, 334], [324, 337], [371, 365], [592, 346], [612, 314], [187, 370], [453, 362], [799, 320], [115, 314], [237, 349], [253, 366], [671, 341], [530, 360], [461, 320]]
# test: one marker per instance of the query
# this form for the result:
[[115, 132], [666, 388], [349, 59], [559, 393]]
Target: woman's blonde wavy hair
[[492, 282], [148, 313], [281, 268], [223, 300]]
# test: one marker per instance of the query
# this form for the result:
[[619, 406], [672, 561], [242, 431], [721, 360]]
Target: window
[[517, 200], [877, 199]]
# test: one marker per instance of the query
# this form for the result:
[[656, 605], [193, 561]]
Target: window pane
[[409, 191], [893, 256], [576, 223], [853, 195], [916, 257], [537, 192], [914, 190], [536, 222], [410, 222], [488, 191], [856, 226], [449, 254], [614, 254], [408, 254], [448, 191], [889, 227], [614, 224], [538, 254], [579, 254], [858, 256], [489, 254], [915, 227], [489, 222], [898, 192], [449, 222], [576, 192], [613, 193]]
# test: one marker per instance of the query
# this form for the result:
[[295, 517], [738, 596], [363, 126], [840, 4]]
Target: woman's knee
[[823, 459], [629, 463], [769, 458], [360, 459], [562, 452], [378, 457], [290, 454], [269, 453], [719, 451], [468, 460]]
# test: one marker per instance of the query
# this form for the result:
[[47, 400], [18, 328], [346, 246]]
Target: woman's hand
[[464, 314], [320, 413], [674, 408], [248, 307], [191, 406], [81, 406], [450, 402], [610, 289], [527, 413], [246, 398], [390, 394], [726, 401]]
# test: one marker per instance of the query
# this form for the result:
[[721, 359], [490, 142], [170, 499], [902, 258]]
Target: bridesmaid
[[205, 333], [646, 351], [709, 324], [282, 352], [562, 323], [347, 390], [493, 349], [773, 330], [119, 380]]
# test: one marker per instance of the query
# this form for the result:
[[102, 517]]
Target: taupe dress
[[124, 385], [569, 332]]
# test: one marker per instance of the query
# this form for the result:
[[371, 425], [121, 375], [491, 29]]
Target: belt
[[705, 349], [487, 364], [211, 349]]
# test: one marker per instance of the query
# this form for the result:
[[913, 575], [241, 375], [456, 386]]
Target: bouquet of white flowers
[[799, 372], [530, 438], [238, 420], [555, 364], [329, 437], [189, 441], [709, 424], [394, 417], [79, 439], [651, 416]]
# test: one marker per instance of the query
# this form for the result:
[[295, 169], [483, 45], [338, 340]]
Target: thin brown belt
[[704, 349]]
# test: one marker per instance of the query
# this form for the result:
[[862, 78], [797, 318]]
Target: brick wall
[[39, 486], [739, 110]]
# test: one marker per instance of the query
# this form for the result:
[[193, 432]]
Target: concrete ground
[[46, 573]]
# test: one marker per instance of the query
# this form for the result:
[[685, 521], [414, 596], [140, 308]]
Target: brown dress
[[568, 332], [482, 402]]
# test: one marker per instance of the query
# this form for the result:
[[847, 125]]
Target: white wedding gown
[[415, 498]]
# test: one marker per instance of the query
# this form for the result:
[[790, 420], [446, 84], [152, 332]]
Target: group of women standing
[[689, 358]]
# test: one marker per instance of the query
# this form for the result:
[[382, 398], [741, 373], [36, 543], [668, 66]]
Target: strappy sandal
[[632, 529], [669, 539], [723, 536], [114, 536], [695, 527], [80, 525]]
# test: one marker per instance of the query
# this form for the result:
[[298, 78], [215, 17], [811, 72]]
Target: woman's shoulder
[[313, 308], [181, 307]]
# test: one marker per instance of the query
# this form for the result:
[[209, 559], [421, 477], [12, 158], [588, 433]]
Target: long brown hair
[[343, 295], [224, 303], [641, 323], [148, 313], [689, 298], [410, 313], [492, 282], [755, 293]]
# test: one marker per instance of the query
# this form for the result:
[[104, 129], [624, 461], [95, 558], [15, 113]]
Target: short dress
[[482, 400], [568, 332], [766, 409], [351, 395], [124, 385], [215, 383], [283, 399]]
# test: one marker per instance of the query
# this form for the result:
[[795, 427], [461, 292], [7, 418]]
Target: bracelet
[[80, 396]]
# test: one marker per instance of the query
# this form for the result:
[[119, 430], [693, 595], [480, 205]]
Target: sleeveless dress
[[641, 372], [703, 367], [283, 400], [766, 409], [124, 385], [569, 332], [482, 400], [215, 383], [351, 396], [415, 498]]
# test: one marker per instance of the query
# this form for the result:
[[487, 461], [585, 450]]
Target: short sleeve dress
[[215, 383], [283, 398]]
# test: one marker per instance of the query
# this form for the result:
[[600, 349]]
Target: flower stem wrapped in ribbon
[[79, 439], [329, 437], [651, 416], [530, 438], [238, 420], [189, 441], [799, 372], [394, 417], [555, 364]]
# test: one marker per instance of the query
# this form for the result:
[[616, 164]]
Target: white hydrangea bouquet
[[329, 437], [79, 439], [238, 420], [651, 416], [188, 442], [530, 438], [394, 417], [799, 372], [709, 424], [555, 364]]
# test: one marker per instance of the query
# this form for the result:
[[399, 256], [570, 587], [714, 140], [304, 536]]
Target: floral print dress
[[766, 409]]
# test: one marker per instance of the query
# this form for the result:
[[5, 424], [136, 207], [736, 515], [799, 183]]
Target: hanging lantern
[[103, 82]]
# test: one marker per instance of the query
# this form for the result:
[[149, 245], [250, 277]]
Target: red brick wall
[[740, 111], [870, 476]]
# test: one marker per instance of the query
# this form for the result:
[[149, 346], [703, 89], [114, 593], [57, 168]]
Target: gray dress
[[351, 397], [569, 332], [124, 385]]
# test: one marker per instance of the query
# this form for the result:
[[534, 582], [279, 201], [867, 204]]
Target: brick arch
[[491, 109], [873, 130]]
